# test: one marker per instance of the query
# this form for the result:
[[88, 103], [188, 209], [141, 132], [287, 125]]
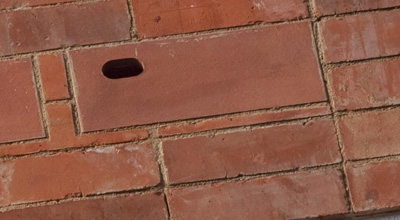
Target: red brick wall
[[264, 109]]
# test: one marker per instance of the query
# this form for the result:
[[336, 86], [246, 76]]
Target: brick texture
[[264, 150], [132, 207], [278, 197], [165, 17], [63, 26], [329, 7], [366, 85], [361, 36], [19, 109], [25, 3], [64, 175]]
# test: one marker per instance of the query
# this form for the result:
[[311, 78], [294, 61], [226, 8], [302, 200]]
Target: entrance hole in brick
[[122, 68]]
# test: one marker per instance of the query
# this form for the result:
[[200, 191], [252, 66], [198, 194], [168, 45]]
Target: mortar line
[[320, 59], [132, 20], [25, 8], [359, 12]]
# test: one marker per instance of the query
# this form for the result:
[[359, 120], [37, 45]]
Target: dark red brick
[[264, 150], [165, 17], [19, 108], [361, 36], [366, 85], [131, 207], [93, 171], [330, 7], [62, 26], [199, 76], [289, 196], [25, 3], [374, 185], [371, 134]]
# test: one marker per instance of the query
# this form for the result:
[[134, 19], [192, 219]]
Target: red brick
[[263, 150], [241, 120], [366, 85], [164, 17], [330, 7], [289, 196], [246, 70], [371, 134], [62, 26], [19, 109], [93, 171], [131, 207], [25, 3], [54, 77], [374, 185], [361, 36]]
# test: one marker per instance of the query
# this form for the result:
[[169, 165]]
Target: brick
[[330, 7], [289, 196], [175, 86], [374, 185], [371, 134], [53, 76], [361, 36], [131, 207], [165, 17], [263, 150], [366, 85], [241, 120], [93, 171], [25, 3], [19, 109], [62, 26]]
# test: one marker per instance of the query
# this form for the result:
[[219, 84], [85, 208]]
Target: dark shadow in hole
[[122, 68]]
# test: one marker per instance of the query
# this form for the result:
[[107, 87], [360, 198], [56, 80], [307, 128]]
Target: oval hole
[[122, 68]]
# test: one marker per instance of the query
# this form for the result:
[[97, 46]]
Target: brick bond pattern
[[307, 126]]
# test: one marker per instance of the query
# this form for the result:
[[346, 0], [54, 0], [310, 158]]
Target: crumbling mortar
[[24, 8]]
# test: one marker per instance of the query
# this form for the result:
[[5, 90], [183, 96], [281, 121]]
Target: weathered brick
[[53, 76], [131, 207], [24, 3], [264, 150], [93, 171], [366, 85], [330, 7], [361, 36], [19, 108], [374, 185], [241, 120], [164, 17], [371, 134], [224, 73], [289, 196], [64, 25]]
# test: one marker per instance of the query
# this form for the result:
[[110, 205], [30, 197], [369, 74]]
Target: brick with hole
[[29, 3], [330, 7], [366, 85], [20, 116], [79, 173], [361, 36], [125, 207], [262, 150], [62, 26], [166, 17], [285, 196]]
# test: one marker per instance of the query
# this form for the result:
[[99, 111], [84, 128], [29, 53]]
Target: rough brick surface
[[61, 26], [361, 36], [20, 116], [175, 85], [374, 185], [25, 3], [329, 7], [93, 171], [278, 197], [366, 85], [165, 17], [53, 77], [264, 150], [371, 134], [132, 207]]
